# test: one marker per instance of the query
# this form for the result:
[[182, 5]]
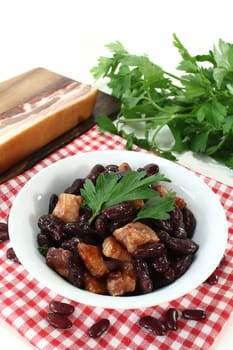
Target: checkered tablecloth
[[24, 301]]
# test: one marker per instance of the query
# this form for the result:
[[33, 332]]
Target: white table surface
[[68, 36]]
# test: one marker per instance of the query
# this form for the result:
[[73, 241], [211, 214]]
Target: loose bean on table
[[98, 328], [153, 325], [10, 254], [194, 314], [61, 308], [59, 320], [171, 318]]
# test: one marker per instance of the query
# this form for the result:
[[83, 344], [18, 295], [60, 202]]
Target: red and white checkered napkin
[[24, 301]]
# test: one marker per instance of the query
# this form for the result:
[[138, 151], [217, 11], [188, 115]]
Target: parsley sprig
[[197, 106], [109, 190]]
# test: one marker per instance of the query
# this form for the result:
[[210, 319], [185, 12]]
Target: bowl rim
[[157, 297]]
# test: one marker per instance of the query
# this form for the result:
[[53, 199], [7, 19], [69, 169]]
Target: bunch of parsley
[[197, 105]]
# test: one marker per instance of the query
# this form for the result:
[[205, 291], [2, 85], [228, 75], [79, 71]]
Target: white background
[[68, 36]]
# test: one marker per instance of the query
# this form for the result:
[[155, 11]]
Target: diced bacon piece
[[134, 234], [112, 249], [67, 207], [94, 284], [92, 259], [121, 282]]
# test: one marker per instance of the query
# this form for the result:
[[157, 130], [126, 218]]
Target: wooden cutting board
[[105, 104]]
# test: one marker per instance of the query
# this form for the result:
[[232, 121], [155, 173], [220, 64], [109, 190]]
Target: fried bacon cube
[[111, 248], [68, 207], [134, 234], [94, 284], [92, 259], [121, 282]]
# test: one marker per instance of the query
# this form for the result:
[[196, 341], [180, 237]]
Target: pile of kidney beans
[[156, 265]]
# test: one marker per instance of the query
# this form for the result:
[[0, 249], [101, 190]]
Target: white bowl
[[32, 201]]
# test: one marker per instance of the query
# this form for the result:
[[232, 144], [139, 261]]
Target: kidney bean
[[176, 218], [52, 226], [59, 321], [10, 254], [43, 240], [111, 168], [76, 271], [95, 172], [171, 319], [119, 211], [75, 187], [181, 264], [160, 263], [62, 308], [189, 221], [143, 275], [183, 246], [153, 325], [85, 214], [169, 275], [212, 279], [165, 225], [149, 250], [98, 328], [194, 314], [101, 224], [52, 202], [151, 169], [4, 234]]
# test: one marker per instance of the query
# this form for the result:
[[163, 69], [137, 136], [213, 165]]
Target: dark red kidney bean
[[153, 325], [176, 218], [52, 202], [111, 168], [10, 254], [151, 169], [160, 263], [169, 275], [52, 226], [171, 319], [75, 187], [165, 225], [62, 308], [144, 281], [76, 271], [4, 234], [59, 321], [101, 224], [119, 211], [43, 240], [98, 328], [95, 172], [212, 279], [182, 246], [189, 221], [85, 214], [149, 250], [194, 314], [113, 225], [181, 264]]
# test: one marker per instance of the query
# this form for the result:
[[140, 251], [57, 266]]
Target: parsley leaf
[[196, 105], [157, 207], [110, 190]]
